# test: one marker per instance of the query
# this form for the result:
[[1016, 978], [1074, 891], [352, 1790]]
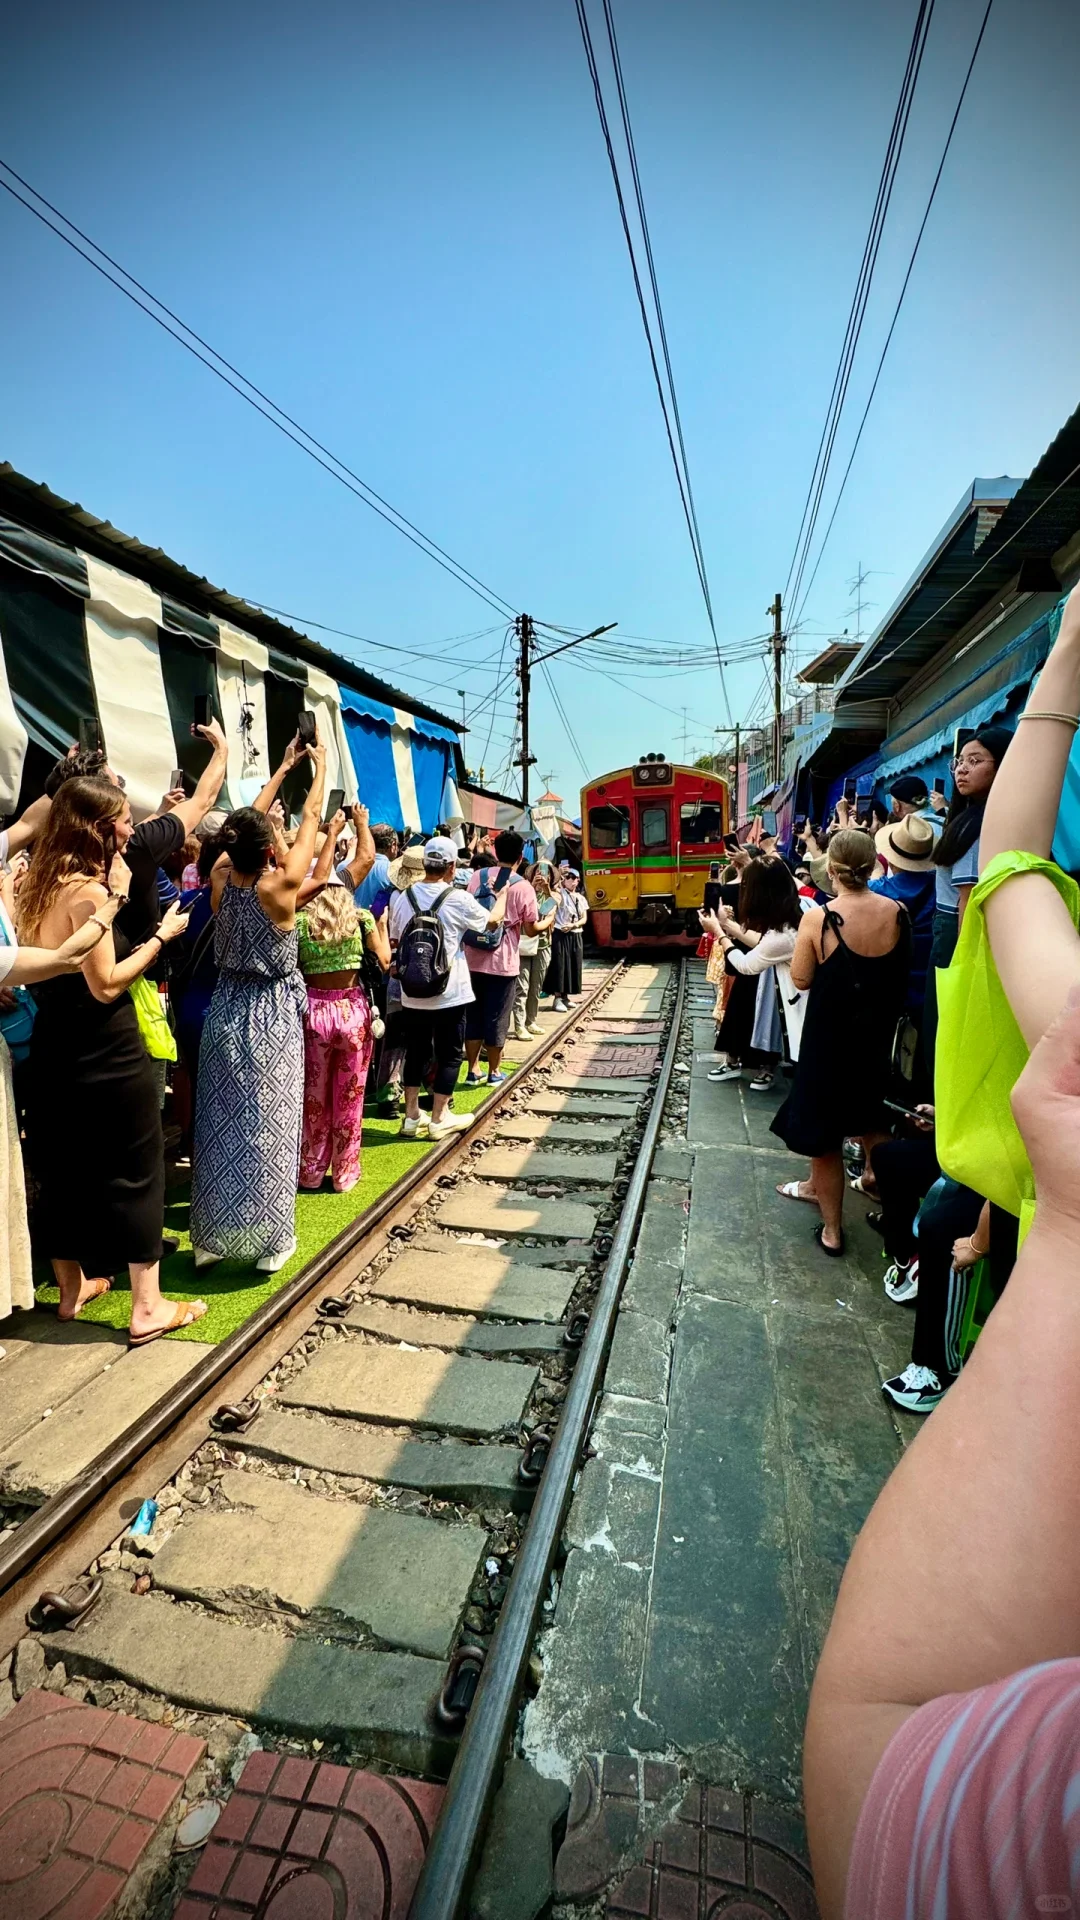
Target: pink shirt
[[522, 909], [973, 1812]]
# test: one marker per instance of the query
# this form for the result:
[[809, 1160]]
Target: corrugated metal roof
[[32, 502], [969, 566]]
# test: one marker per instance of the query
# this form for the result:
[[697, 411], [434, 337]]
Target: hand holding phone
[[306, 729], [204, 712], [334, 804]]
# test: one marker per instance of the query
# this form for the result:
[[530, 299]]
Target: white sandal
[[789, 1190]]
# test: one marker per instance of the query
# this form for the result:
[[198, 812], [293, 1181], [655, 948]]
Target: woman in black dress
[[93, 1119], [854, 956]]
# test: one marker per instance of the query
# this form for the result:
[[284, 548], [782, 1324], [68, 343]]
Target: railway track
[[360, 1495]]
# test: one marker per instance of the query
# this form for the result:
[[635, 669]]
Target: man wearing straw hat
[[907, 847]]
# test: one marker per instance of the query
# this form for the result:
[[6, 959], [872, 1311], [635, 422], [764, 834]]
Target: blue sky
[[400, 222]]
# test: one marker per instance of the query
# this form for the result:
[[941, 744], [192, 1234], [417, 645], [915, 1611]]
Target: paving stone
[[616, 1800], [530, 1164], [438, 1390], [592, 1664], [577, 1132], [638, 1362], [710, 1859], [615, 1063], [477, 1280], [83, 1792], [43, 1460], [672, 1163], [402, 1576], [512, 1215], [475, 1475], [449, 1330], [45, 1361], [585, 1105], [565, 1082], [383, 1700], [596, 1036], [614, 1509], [319, 1839], [514, 1879]]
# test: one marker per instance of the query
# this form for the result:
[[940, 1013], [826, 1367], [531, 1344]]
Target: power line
[[841, 378], [564, 717], [682, 472], [900, 300], [278, 417]]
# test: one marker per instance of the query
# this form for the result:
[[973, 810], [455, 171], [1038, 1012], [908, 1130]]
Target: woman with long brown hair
[[93, 1120]]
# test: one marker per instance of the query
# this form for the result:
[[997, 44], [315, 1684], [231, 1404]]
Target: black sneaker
[[917, 1389]]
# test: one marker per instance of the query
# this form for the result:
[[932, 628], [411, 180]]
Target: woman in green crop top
[[332, 936]]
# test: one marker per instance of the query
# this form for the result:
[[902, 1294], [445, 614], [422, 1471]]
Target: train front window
[[654, 826], [702, 824], [609, 828]]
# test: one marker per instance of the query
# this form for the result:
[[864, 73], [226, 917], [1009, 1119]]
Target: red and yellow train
[[649, 835]]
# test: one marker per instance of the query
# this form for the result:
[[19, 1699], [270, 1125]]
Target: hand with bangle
[[966, 1251]]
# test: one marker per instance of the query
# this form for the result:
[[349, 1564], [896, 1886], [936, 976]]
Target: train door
[[656, 853], [701, 831], [609, 870]]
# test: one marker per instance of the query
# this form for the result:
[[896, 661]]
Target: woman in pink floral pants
[[338, 1040]]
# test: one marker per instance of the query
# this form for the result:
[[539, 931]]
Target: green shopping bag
[[158, 1037], [981, 1053]]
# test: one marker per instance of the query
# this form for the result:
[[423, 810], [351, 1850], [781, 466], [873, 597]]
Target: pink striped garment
[[974, 1809]]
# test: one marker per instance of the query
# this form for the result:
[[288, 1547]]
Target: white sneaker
[[449, 1124], [917, 1389], [902, 1283], [559, 1006], [412, 1129], [535, 1033], [726, 1073], [521, 1033], [273, 1262], [204, 1258]]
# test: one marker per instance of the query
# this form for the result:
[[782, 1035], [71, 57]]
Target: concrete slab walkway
[[741, 1439]]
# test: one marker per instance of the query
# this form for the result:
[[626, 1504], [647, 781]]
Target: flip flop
[[834, 1253], [184, 1316], [789, 1190], [100, 1287]]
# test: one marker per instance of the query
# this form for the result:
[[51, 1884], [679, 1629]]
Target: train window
[[702, 823], [654, 826], [609, 828]]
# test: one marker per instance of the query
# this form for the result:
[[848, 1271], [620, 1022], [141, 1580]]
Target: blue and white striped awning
[[81, 638]]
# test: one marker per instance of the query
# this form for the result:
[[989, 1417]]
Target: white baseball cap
[[440, 852]]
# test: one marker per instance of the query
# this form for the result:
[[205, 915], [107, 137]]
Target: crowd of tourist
[[931, 959], [278, 979]]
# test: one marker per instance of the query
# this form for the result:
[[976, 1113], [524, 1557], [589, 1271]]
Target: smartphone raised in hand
[[305, 728], [334, 804], [89, 734], [203, 712]]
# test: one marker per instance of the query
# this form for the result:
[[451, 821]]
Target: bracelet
[[1069, 719], [979, 1252]]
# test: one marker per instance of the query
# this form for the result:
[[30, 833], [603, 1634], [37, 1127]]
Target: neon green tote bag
[[981, 1053]]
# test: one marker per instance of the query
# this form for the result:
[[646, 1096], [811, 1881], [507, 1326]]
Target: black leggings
[[950, 1213], [905, 1171]]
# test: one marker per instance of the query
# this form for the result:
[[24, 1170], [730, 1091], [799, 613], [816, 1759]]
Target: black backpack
[[423, 969]]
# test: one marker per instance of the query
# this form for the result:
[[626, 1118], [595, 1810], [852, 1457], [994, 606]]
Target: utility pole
[[523, 628], [778, 687], [461, 697]]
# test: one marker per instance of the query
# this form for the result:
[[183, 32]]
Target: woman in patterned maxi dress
[[249, 1104]]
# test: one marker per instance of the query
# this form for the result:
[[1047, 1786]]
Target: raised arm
[[24, 831], [33, 964], [263, 801], [105, 975], [211, 780], [982, 1513], [293, 869], [314, 882], [1026, 915], [358, 868]]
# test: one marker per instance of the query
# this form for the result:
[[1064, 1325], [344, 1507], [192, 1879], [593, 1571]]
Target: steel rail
[[56, 1515], [453, 1855]]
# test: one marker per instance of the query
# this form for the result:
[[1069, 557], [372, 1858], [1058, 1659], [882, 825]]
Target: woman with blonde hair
[[333, 934], [853, 957], [92, 1112]]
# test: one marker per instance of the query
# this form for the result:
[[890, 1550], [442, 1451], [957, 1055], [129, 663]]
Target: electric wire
[[682, 482], [564, 717], [871, 248], [900, 299], [271, 411]]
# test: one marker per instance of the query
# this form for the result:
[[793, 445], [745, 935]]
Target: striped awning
[[80, 638]]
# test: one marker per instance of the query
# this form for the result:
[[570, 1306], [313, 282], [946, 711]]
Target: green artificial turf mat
[[233, 1289]]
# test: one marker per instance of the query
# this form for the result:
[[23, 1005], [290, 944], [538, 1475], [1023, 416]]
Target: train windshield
[[654, 826], [702, 823], [609, 828]]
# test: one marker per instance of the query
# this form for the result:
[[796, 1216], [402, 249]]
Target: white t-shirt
[[459, 912]]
